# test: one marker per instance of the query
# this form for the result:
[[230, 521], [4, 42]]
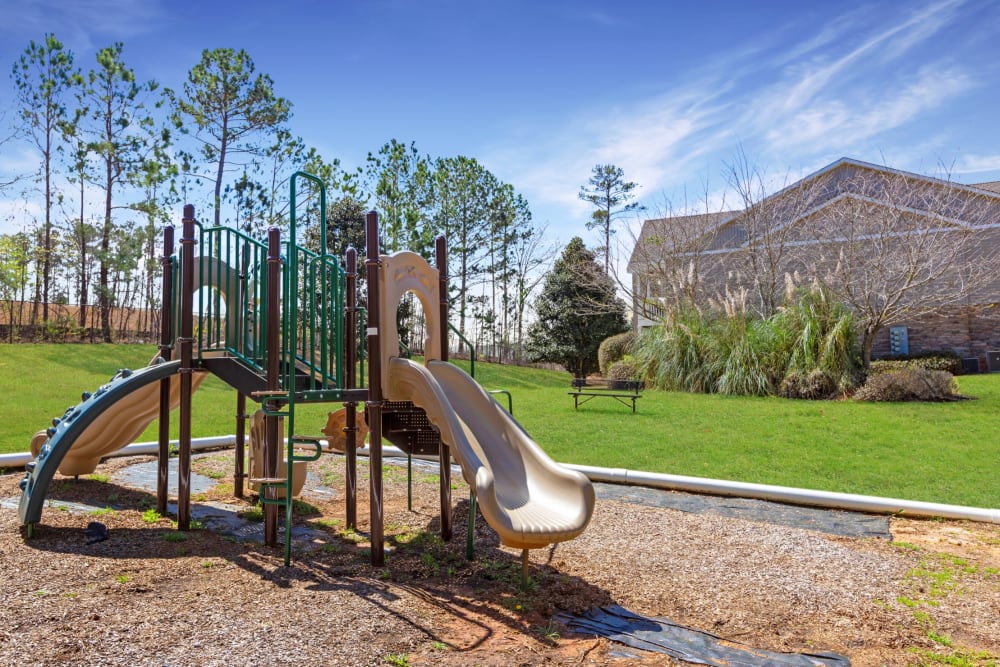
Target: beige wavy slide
[[119, 425], [527, 498]]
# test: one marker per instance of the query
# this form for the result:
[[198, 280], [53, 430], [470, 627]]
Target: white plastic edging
[[715, 487], [135, 449], [18, 460], [827, 499]]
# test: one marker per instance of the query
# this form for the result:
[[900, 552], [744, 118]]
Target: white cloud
[[75, 23], [977, 164], [852, 118], [815, 78], [18, 214], [653, 141]]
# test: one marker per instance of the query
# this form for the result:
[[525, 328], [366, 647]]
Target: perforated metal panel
[[406, 426]]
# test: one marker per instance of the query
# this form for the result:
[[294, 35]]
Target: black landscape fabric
[[662, 635]]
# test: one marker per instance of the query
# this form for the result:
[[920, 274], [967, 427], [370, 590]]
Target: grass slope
[[940, 452]]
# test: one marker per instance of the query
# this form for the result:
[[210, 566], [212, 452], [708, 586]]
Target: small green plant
[[122, 578], [351, 535], [225, 488], [439, 646], [214, 474], [99, 477], [255, 514], [151, 515], [208, 565], [175, 536], [398, 659], [429, 561], [104, 511], [938, 638], [302, 508], [957, 658], [548, 632], [332, 479], [41, 592]]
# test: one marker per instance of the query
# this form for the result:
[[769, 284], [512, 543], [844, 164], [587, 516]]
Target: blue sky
[[541, 91]]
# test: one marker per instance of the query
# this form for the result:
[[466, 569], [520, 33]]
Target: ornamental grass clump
[[680, 354], [808, 349]]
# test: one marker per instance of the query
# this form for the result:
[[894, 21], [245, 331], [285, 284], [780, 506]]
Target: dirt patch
[[152, 595]]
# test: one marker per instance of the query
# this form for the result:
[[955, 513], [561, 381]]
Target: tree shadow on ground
[[465, 603]]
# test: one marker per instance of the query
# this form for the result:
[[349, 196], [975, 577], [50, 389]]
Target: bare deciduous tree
[[766, 231], [672, 259], [895, 247]]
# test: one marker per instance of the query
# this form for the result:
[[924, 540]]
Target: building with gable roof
[[917, 257]]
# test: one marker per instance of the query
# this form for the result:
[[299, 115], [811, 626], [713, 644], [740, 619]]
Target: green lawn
[[945, 452]]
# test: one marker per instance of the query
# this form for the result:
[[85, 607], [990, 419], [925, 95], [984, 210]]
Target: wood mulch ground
[[150, 595]]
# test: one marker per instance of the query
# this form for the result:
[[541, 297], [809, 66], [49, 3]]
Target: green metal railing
[[231, 318], [232, 303], [472, 349]]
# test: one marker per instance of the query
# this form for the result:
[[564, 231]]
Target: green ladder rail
[[288, 502]]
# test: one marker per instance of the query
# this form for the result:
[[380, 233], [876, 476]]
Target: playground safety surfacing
[[229, 519], [754, 580]]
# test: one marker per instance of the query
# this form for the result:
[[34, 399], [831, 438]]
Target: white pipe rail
[[785, 494], [715, 487], [135, 449]]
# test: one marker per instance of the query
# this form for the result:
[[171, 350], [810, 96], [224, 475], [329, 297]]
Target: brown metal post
[[166, 343], [186, 343], [374, 402], [351, 382], [239, 471], [444, 451], [273, 371]]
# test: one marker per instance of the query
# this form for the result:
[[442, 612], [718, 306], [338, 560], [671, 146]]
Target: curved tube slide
[[527, 498]]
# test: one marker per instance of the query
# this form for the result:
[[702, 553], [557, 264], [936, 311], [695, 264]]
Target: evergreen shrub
[[909, 384], [623, 370], [937, 360], [614, 348]]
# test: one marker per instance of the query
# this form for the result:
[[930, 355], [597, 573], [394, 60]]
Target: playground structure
[[280, 325]]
